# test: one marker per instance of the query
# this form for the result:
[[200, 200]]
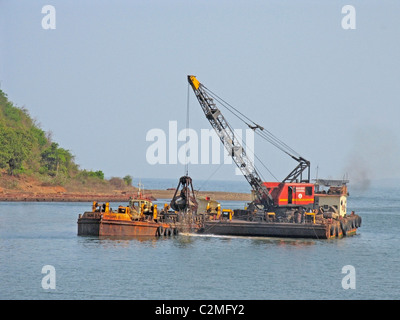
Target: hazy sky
[[113, 70]]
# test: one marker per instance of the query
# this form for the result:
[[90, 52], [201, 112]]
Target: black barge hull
[[266, 229]]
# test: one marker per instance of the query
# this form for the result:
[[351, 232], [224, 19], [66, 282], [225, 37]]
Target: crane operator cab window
[[290, 194]]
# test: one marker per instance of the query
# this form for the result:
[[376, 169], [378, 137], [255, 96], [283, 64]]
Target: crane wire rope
[[265, 167], [208, 179], [229, 107], [262, 132], [187, 132]]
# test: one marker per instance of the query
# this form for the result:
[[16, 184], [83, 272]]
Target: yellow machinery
[[229, 213]]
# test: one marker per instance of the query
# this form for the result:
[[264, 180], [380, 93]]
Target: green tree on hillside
[[92, 174], [128, 180], [56, 160], [15, 148]]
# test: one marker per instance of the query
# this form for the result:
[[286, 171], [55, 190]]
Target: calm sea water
[[33, 235]]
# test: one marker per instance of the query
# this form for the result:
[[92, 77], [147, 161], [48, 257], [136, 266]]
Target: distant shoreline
[[25, 188], [114, 197]]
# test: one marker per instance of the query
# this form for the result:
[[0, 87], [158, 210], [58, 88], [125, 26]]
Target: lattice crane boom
[[230, 141]]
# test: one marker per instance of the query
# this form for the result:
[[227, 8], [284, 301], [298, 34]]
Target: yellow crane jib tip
[[194, 82]]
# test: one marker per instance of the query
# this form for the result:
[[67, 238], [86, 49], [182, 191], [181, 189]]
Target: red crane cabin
[[291, 193]]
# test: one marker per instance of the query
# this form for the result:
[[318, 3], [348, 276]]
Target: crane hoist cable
[[187, 132], [236, 113], [259, 130]]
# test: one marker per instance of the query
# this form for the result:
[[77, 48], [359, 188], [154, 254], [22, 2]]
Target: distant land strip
[[113, 197]]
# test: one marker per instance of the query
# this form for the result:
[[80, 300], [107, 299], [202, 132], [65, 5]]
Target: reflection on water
[[181, 240], [284, 242], [117, 241], [187, 239], [259, 240]]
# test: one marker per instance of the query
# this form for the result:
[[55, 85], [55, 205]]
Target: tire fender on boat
[[160, 231], [344, 227], [333, 230], [358, 219]]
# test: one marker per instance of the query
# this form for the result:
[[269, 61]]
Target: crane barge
[[293, 207]]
